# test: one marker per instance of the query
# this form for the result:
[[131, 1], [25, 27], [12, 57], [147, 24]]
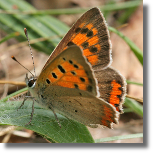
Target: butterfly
[[77, 80]]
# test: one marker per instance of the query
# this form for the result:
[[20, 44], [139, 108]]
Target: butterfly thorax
[[38, 91]]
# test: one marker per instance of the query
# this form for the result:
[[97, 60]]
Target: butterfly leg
[[25, 98], [51, 107], [31, 113]]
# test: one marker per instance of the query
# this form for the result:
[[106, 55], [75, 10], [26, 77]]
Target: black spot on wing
[[90, 34], [76, 66], [82, 79], [93, 49], [77, 30], [70, 62], [76, 86], [54, 75], [73, 72], [48, 81], [70, 43], [85, 45], [61, 68], [85, 30]]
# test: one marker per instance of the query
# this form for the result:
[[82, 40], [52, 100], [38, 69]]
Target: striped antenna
[[20, 64], [26, 33]]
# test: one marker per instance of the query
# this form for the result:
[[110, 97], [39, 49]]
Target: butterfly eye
[[31, 83]]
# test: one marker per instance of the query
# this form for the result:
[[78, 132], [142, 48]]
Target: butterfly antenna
[[20, 64], [26, 33]]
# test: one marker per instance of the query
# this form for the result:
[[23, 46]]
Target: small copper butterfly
[[77, 80]]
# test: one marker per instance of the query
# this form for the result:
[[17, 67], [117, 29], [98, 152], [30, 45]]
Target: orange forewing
[[91, 34], [70, 69]]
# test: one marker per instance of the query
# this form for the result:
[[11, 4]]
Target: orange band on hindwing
[[112, 87], [107, 116], [115, 94]]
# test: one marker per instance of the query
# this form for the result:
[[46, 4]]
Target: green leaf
[[44, 123]]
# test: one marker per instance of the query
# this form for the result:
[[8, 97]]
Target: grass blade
[[134, 105], [106, 8], [13, 94], [130, 136], [133, 47], [11, 35], [38, 26], [136, 83]]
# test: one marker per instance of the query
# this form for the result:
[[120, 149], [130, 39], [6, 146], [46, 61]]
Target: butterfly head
[[30, 81]]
